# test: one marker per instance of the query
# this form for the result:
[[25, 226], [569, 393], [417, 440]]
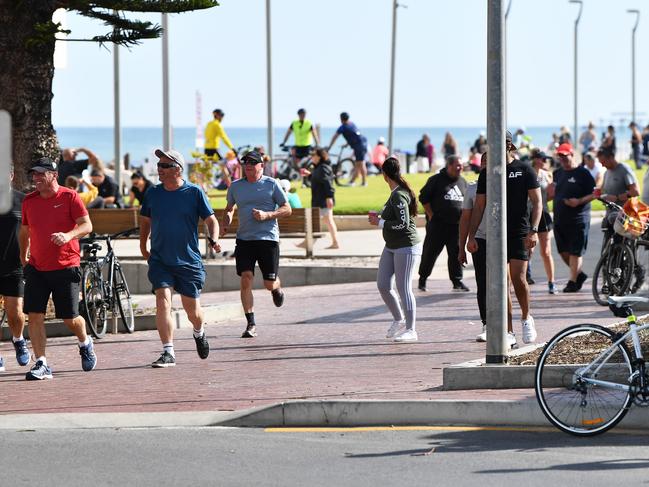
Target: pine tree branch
[[164, 6]]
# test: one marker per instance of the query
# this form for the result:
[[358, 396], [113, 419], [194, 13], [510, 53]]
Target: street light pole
[[117, 124], [269, 84], [496, 209], [576, 123], [635, 27], [395, 6], [166, 124]]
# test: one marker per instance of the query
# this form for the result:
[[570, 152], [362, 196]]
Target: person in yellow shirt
[[214, 133], [304, 132], [90, 196]]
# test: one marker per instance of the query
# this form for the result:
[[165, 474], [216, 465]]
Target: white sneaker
[[482, 337], [529, 330], [406, 336], [395, 328], [511, 340]]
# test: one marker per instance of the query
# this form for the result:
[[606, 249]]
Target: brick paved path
[[325, 343]]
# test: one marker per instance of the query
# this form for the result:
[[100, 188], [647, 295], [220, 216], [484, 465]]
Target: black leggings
[[480, 266]]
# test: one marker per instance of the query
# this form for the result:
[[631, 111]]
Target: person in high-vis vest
[[214, 133], [304, 133]]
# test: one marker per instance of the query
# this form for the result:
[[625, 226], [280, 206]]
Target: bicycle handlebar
[[124, 233]]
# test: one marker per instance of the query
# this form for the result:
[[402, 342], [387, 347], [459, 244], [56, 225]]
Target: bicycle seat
[[622, 301]]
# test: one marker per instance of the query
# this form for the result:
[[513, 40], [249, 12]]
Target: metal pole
[[117, 125], [576, 119], [496, 209], [635, 26], [395, 6], [167, 136], [509, 7], [269, 83]]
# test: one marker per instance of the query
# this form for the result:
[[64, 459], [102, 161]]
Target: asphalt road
[[244, 457]]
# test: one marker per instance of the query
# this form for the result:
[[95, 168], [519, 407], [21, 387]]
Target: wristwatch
[[534, 230], [211, 241]]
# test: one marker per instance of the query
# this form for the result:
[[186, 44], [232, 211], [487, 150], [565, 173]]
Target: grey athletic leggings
[[398, 265]]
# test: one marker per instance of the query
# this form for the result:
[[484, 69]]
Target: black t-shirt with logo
[[71, 168], [572, 184], [520, 179], [9, 228], [109, 188], [445, 196]]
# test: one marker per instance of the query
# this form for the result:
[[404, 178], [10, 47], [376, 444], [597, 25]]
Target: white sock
[[199, 333], [84, 343], [42, 359], [17, 339], [169, 348]]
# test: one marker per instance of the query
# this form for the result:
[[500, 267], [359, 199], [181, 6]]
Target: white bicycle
[[587, 379]]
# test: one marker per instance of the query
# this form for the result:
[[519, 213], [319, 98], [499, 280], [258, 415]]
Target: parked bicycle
[[289, 167], [618, 271], [103, 286], [586, 379]]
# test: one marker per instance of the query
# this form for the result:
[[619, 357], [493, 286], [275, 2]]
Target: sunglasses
[[166, 165]]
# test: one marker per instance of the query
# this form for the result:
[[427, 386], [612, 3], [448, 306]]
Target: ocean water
[[140, 142]]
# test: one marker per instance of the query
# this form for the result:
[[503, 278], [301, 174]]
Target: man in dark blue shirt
[[357, 142], [573, 192]]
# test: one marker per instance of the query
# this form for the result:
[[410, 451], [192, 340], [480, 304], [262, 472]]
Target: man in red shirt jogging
[[53, 219]]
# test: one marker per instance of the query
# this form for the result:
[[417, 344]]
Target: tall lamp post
[[117, 124], [635, 27], [496, 203], [507, 10], [395, 6], [576, 126], [269, 84], [166, 123]]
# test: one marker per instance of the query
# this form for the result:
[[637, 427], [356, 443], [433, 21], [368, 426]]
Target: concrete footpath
[[321, 359]]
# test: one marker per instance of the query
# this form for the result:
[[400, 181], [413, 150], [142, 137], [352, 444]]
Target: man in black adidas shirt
[[522, 184], [442, 197], [12, 284]]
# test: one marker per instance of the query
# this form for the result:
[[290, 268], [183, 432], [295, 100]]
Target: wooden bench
[[303, 223]]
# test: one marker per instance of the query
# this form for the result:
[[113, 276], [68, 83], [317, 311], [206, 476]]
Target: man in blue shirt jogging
[[357, 142], [170, 214]]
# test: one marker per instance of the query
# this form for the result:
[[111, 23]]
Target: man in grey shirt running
[[260, 201]]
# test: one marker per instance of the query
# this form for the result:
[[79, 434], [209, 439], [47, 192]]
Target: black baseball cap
[[539, 155], [252, 157], [44, 164], [509, 138], [301, 110], [219, 111]]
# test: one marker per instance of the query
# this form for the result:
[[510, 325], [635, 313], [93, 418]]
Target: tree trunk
[[26, 83]]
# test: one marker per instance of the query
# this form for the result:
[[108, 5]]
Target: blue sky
[[334, 55]]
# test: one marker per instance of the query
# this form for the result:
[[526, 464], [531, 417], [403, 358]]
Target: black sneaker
[[581, 278], [165, 360], [571, 287], [278, 297], [460, 286], [530, 281], [202, 347], [251, 332], [422, 286]]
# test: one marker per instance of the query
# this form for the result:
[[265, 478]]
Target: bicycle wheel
[[567, 398], [600, 284], [123, 300], [619, 269], [93, 304], [282, 168], [344, 171]]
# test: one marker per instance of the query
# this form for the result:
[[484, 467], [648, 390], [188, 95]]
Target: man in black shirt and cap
[[442, 198], [108, 189]]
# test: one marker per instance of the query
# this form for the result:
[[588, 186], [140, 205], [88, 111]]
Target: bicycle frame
[[608, 353]]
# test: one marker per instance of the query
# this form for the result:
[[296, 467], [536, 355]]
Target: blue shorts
[[360, 152], [186, 280]]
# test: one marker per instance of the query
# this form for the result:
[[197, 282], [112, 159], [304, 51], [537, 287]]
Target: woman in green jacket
[[401, 253]]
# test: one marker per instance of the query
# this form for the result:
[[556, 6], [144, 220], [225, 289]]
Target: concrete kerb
[[476, 413]]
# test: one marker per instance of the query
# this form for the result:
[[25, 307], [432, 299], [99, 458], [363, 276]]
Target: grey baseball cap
[[174, 155]]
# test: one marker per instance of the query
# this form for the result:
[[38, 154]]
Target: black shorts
[[265, 252], [572, 238], [12, 285], [63, 285], [213, 152], [516, 248], [546, 224], [360, 152], [302, 151]]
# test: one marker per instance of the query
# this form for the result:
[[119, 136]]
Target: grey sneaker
[[39, 371], [88, 357]]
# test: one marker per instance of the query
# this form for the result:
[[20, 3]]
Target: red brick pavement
[[325, 343]]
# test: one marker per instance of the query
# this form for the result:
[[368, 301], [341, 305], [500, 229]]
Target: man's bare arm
[[145, 231], [23, 243]]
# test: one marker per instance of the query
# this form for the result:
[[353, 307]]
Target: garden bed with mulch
[[583, 348]]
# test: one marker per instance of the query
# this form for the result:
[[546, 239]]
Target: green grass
[[360, 200]]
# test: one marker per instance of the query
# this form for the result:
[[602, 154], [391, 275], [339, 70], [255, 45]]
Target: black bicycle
[[618, 271], [103, 286]]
